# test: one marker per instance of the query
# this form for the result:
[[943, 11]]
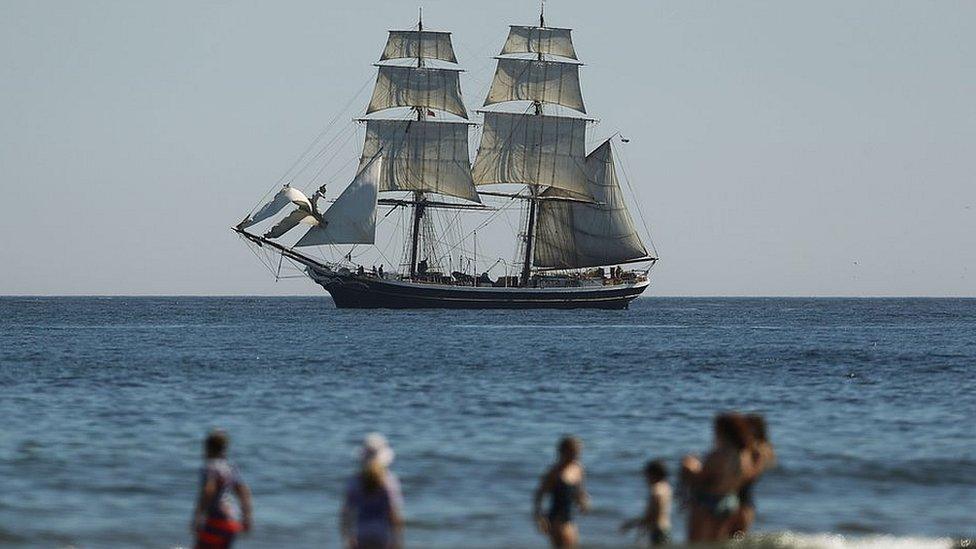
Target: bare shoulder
[[573, 473]]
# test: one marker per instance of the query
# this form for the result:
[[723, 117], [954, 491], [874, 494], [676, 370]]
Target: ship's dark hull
[[366, 292]]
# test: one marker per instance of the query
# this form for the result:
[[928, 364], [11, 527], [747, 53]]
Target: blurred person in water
[[371, 516], [656, 520], [216, 521], [765, 458], [714, 483], [563, 483]]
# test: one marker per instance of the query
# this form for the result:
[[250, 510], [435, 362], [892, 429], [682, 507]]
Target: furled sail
[[431, 88], [403, 44], [422, 155], [545, 40], [552, 82], [573, 234], [351, 219], [287, 195], [533, 150]]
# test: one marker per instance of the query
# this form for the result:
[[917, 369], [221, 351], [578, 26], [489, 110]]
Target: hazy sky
[[778, 147]]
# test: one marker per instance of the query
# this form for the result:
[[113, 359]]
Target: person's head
[[757, 426], [655, 471], [376, 448], [215, 445], [732, 430], [569, 448]]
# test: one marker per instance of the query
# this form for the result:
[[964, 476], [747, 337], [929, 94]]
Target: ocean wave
[[924, 471], [792, 540]]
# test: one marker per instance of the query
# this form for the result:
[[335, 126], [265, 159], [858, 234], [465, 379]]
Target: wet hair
[[569, 447], [373, 475], [734, 429], [216, 443], [656, 470], [757, 426]]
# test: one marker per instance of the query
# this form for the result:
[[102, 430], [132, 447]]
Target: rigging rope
[[311, 146]]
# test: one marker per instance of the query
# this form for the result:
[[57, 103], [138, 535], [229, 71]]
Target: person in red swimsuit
[[216, 521]]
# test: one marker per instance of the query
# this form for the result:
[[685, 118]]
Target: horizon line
[[674, 296]]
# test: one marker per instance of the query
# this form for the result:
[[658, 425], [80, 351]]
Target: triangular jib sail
[[572, 235], [351, 219]]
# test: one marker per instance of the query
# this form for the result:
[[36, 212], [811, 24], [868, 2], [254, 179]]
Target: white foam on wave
[[837, 541]]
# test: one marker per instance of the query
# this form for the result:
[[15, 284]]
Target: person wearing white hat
[[371, 514]]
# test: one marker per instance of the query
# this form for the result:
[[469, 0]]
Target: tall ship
[[575, 243]]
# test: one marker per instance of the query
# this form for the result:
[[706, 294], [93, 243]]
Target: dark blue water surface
[[104, 402]]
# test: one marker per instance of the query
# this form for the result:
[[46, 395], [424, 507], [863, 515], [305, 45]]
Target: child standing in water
[[656, 520], [563, 482], [215, 520]]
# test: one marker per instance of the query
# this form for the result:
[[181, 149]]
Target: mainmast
[[536, 149], [422, 154]]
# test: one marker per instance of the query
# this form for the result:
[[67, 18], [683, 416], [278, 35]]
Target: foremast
[[423, 153], [418, 196]]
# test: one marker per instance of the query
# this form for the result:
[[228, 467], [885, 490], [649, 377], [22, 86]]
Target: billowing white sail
[[351, 219], [533, 150], [422, 155], [542, 81], [287, 195], [572, 234], [546, 40], [403, 44], [300, 215], [426, 87]]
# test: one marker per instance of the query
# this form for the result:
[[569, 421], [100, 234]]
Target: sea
[[104, 402]]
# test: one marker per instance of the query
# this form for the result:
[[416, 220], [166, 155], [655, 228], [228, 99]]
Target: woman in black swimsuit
[[563, 482]]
